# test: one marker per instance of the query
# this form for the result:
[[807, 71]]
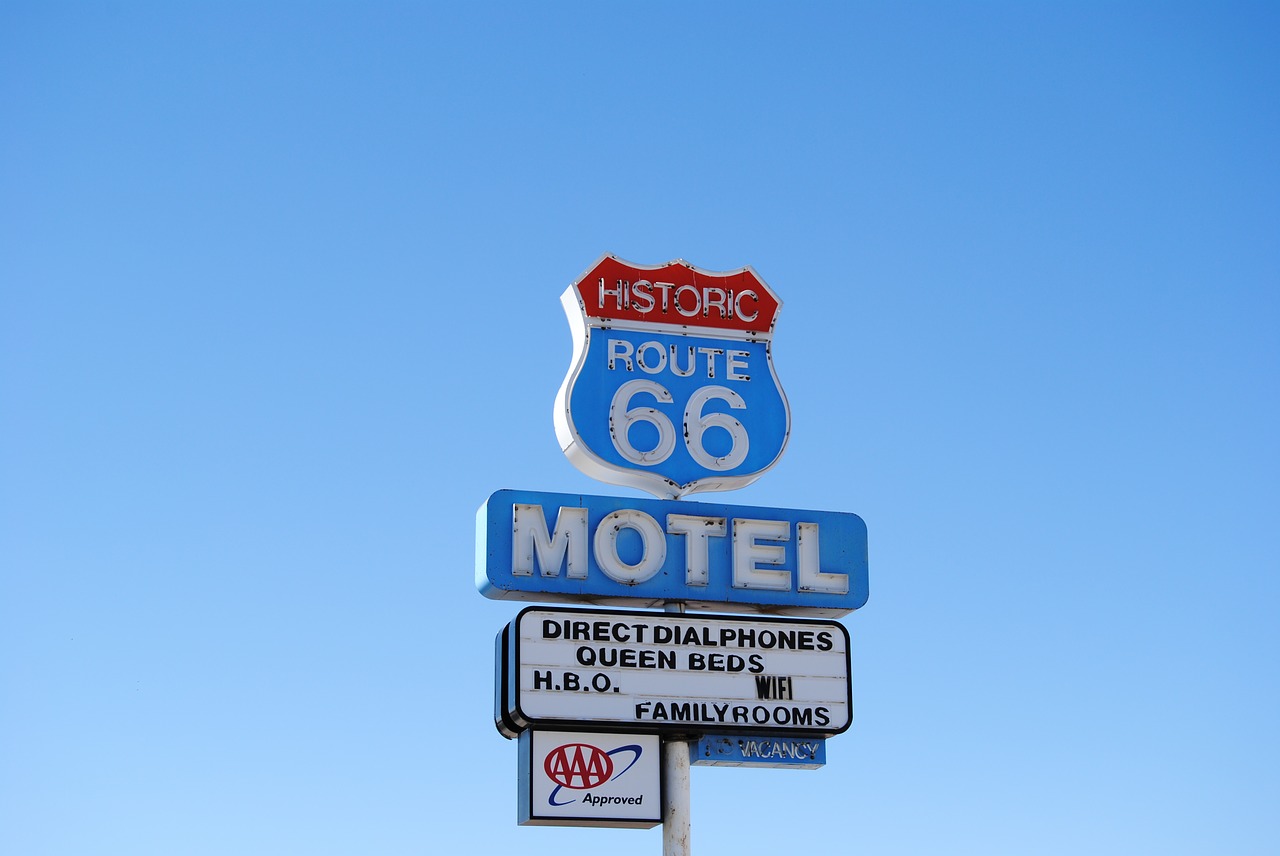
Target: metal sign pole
[[676, 821], [676, 803]]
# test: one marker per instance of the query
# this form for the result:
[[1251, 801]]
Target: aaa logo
[[578, 766], [581, 766], [672, 387]]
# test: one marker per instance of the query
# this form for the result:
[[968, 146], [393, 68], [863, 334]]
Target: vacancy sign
[[753, 750]]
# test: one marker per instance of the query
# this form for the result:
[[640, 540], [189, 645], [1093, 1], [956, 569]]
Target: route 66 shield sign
[[672, 387]]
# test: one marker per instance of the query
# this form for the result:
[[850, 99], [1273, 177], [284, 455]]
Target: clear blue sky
[[279, 309]]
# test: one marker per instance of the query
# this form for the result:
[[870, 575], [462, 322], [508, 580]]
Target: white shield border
[[567, 433]]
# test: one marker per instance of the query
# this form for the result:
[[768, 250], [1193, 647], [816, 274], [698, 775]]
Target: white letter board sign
[[673, 673]]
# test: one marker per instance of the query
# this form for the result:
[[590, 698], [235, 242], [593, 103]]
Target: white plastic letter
[[697, 561], [697, 300], [746, 552], [652, 556], [530, 537], [812, 577], [619, 349], [660, 362]]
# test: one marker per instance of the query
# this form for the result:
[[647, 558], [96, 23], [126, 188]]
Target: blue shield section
[[553, 547]]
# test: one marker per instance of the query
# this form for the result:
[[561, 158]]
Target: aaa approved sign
[[570, 778], [673, 672]]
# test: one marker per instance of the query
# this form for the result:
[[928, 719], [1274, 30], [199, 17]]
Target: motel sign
[[671, 390]]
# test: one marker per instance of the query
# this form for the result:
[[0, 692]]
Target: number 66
[[696, 424]]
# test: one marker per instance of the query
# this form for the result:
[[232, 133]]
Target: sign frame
[[512, 705]]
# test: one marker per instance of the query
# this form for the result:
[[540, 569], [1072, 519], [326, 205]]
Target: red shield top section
[[677, 294]]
